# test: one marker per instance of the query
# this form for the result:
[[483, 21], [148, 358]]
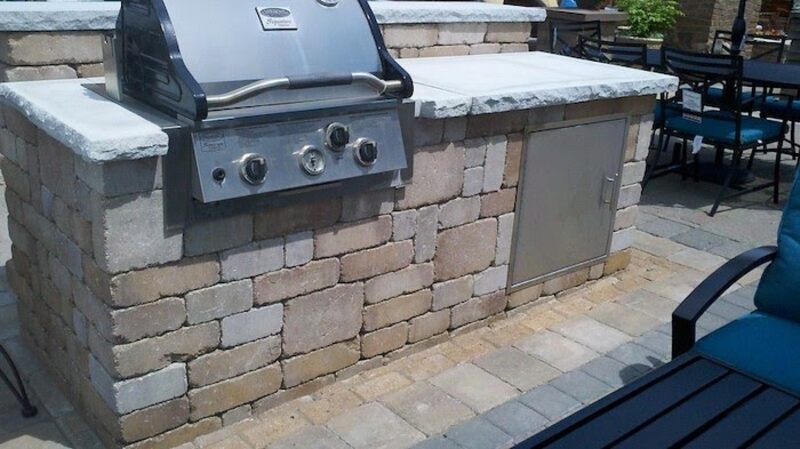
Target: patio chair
[[611, 52], [725, 127], [564, 36], [766, 342]]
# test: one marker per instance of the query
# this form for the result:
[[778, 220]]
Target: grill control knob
[[337, 136], [312, 160], [254, 169], [366, 151]]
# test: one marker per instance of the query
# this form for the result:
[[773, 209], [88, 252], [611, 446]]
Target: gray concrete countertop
[[100, 130], [89, 16]]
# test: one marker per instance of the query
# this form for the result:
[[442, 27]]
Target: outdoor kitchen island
[[159, 335]]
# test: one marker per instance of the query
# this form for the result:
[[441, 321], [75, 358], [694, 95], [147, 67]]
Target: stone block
[[582, 386], [633, 172], [427, 231], [153, 420], [43, 48], [428, 132], [617, 262], [373, 262], [134, 394], [478, 433], [495, 165], [505, 234], [622, 240], [498, 203], [434, 181], [252, 325], [147, 320], [289, 283], [390, 285], [36, 73], [299, 249], [449, 293], [556, 350], [428, 325], [466, 249], [491, 280], [461, 33], [514, 148], [231, 393], [367, 205], [474, 152], [626, 218], [473, 181], [117, 178], [140, 287], [427, 408], [323, 318], [629, 196], [517, 368], [409, 52], [484, 49], [90, 70], [404, 225], [384, 340], [252, 260], [129, 232], [309, 366], [440, 51], [509, 32], [181, 435], [477, 309], [643, 138], [208, 236], [219, 301], [144, 356], [396, 310], [474, 387], [514, 48], [403, 36], [349, 237], [374, 426], [296, 217], [566, 282], [550, 402], [458, 212]]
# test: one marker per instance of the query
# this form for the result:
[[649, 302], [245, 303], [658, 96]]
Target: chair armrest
[[684, 319]]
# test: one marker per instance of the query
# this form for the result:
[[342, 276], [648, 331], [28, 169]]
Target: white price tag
[[697, 144], [693, 101]]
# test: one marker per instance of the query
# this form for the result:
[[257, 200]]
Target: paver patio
[[494, 385]]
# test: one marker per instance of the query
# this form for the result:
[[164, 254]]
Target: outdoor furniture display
[[737, 387], [775, 106], [726, 127], [18, 390], [564, 36], [611, 52], [757, 47]]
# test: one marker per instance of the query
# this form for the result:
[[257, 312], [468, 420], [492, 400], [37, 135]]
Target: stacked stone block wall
[[28, 56], [160, 336], [695, 30]]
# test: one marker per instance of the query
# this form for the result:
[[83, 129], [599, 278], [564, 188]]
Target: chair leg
[[28, 410], [737, 158], [663, 140], [752, 159], [777, 176], [684, 161]]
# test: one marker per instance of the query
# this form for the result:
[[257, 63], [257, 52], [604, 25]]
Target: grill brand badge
[[276, 18]]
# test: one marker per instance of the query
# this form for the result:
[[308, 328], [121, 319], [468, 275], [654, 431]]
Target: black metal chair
[[726, 127], [18, 390], [761, 47], [612, 52], [564, 36]]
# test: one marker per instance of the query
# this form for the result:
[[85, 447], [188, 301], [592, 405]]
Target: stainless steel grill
[[265, 98]]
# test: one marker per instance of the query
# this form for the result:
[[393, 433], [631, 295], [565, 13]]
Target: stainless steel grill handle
[[304, 82]]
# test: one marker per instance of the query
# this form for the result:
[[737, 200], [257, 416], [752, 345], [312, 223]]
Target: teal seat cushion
[[658, 112], [779, 290], [714, 97], [759, 344], [720, 129], [778, 107]]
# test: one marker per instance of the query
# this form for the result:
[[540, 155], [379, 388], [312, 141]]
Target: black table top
[[761, 73], [692, 402]]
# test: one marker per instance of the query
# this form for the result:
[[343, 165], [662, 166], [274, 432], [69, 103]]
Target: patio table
[[692, 402], [760, 73]]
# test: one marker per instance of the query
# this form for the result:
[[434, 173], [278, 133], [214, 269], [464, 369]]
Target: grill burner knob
[[337, 136], [312, 161], [254, 169], [366, 151]]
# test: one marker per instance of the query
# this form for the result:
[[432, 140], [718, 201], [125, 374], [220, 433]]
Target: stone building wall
[[160, 336], [27, 56], [695, 30]]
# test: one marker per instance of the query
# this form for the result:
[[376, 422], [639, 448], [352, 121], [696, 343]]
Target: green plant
[[650, 18]]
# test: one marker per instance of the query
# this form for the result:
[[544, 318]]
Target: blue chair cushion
[[658, 112], [779, 290], [777, 107], [759, 344], [721, 130]]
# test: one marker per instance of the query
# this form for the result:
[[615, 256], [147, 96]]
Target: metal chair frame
[[700, 71], [612, 52], [564, 36], [18, 390]]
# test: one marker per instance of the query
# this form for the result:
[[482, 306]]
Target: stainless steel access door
[[567, 198]]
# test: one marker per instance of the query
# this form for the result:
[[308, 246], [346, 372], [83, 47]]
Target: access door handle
[[608, 188]]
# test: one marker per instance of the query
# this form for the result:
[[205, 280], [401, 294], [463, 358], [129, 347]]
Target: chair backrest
[[611, 52], [700, 72], [779, 290], [564, 36], [760, 47]]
